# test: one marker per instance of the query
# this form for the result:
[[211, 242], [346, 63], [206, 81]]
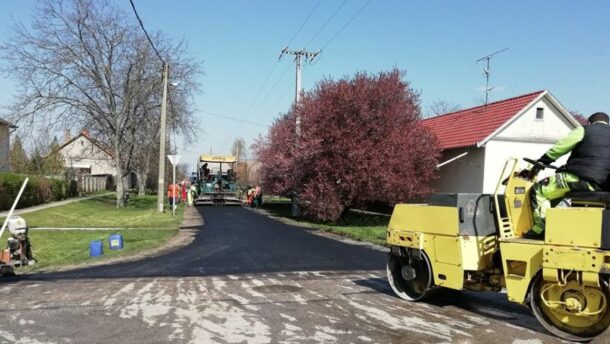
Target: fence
[[87, 184]]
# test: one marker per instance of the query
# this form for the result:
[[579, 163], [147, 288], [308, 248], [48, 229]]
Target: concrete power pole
[[309, 56], [161, 187]]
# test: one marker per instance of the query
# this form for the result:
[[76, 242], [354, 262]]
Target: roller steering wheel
[[539, 164]]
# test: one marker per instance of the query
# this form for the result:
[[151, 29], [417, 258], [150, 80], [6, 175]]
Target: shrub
[[38, 191]]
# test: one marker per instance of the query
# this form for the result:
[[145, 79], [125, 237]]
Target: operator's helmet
[[17, 225]]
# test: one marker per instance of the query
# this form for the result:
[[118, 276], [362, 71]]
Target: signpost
[[174, 159]]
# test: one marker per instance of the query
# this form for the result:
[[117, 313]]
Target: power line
[[260, 90], [145, 32], [258, 93], [233, 118], [347, 24], [271, 109], [228, 137], [305, 22], [326, 23], [251, 107]]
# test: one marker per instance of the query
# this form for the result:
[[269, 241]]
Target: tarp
[[218, 158]]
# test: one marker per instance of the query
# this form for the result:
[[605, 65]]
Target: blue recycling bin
[[115, 242], [96, 248]]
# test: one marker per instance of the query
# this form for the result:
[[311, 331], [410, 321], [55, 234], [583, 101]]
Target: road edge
[[317, 231]]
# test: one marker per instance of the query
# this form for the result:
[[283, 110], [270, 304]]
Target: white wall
[[84, 152], [499, 151], [4, 148], [462, 175], [551, 128], [525, 137]]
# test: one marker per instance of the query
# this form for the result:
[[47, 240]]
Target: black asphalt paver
[[237, 241]]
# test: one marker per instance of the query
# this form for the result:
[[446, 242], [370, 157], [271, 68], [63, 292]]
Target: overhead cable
[[133, 6]]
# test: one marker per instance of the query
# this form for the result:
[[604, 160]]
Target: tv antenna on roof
[[487, 71]]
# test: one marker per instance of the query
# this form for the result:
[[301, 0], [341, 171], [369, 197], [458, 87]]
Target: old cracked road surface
[[250, 279]]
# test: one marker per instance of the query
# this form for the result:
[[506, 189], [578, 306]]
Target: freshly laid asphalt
[[237, 241], [247, 278]]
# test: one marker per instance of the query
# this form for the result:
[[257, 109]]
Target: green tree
[[36, 163], [53, 161], [18, 157]]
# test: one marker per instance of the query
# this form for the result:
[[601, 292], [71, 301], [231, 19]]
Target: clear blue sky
[[562, 46]]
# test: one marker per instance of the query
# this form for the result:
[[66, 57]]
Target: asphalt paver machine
[[217, 181], [475, 242]]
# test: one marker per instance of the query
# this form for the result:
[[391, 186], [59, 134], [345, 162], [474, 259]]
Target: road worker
[[172, 195], [192, 194], [586, 169]]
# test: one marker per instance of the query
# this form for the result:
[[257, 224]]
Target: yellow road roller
[[468, 241]]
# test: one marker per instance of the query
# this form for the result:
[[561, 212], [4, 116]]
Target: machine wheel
[[410, 277], [570, 312]]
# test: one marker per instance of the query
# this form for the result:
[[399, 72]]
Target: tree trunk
[[141, 183], [143, 177], [120, 186]]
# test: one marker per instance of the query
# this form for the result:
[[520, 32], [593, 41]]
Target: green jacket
[[566, 144]]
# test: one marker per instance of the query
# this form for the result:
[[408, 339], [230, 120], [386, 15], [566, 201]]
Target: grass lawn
[[53, 248], [101, 212], [362, 227], [140, 224]]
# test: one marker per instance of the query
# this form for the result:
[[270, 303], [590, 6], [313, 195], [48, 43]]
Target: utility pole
[[309, 56], [161, 186], [487, 72]]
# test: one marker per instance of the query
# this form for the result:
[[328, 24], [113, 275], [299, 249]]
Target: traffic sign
[[174, 159]]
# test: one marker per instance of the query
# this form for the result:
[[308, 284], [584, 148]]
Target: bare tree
[[440, 107], [86, 64], [242, 166]]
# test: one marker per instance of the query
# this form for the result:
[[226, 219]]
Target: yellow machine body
[[435, 230], [570, 266]]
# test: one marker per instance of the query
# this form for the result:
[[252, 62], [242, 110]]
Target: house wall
[[499, 151], [525, 137], [84, 152], [4, 148], [462, 175], [551, 128]]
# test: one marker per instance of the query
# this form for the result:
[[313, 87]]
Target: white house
[[523, 126], [5, 133], [87, 156]]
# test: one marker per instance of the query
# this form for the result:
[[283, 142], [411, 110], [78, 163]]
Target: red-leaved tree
[[361, 141], [579, 117]]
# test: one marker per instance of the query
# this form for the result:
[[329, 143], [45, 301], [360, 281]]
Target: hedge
[[39, 190]]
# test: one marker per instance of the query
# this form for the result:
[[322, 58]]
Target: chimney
[[67, 135], [86, 132]]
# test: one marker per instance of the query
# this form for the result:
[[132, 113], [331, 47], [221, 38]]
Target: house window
[[540, 114]]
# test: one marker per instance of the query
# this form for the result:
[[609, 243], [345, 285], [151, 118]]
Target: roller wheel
[[570, 312], [410, 277]]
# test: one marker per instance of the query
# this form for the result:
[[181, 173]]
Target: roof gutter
[[451, 160]]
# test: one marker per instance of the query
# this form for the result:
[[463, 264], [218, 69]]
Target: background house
[[86, 156], [5, 139], [91, 163], [524, 126]]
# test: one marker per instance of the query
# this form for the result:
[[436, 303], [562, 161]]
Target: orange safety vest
[[172, 191]]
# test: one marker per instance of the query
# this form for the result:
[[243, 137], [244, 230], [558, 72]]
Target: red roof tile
[[466, 128]]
